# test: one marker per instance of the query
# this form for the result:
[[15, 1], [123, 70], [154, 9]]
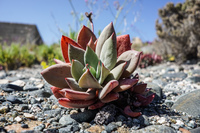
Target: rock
[[4, 81], [196, 72], [29, 116], [24, 125], [30, 87], [69, 129], [155, 129], [85, 116], [143, 120], [2, 130], [111, 127], [196, 130], [95, 129], [19, 83], [39, 127], [13, 99], [106, 114], [194, 79], [155, 89], [66, 120], [189, 103], [40, 93], [18, 119], [52, 113], [4, 109], [176, 76]]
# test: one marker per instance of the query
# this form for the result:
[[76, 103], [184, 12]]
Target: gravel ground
[[27, 104]]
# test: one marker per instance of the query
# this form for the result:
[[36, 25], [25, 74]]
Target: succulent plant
[[149, 59], [97, 71]]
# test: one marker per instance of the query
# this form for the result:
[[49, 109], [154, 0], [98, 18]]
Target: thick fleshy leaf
[[91, 44], [91, 58], [92, 71], [132, 58], [55, 91], [96, 105], [108, 88], [145, 100], [65, 41], [88, 81], [56, 74], [140, 88], [98, 71], [59, 61], [74, 85], [118, 70], [112, 96], [108, 54], [125, 84], [76, 53], [76, 69], [75, 103], [123, 44], [129, 112], [84, 36], [104, 73], [105, 34], [78, 95]]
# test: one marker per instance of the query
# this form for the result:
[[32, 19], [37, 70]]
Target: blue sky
[[137, 19]]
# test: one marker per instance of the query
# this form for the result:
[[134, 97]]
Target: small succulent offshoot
[[97, 71]]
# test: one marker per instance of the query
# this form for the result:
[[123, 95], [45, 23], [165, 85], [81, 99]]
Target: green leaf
[[105, 34], [104, 73], [98, 71], [108, 54], [91, 58], [74, 85], [76, 53], [93, 72], [132, 58], [76, 69], [88, 81], [118, 70]]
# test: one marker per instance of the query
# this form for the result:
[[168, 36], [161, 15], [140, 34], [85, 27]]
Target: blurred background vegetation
[[178, 31]]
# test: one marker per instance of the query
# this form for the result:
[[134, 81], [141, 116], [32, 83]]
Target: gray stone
[[85, 116], [189, 103], [155, 89], [69, 128], [40, 93], [66, 120], [111, 127], [52, 113], [143, 120], [196, 130], [194, 79], [40, 127], [155, 129], [13, 99], [4, 109], [176, 76]]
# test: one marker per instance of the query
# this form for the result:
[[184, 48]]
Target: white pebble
[[18, 119], [162, 120], [30, 116]]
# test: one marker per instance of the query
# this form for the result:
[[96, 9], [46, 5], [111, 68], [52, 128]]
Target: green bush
[[179, 29], [15, 56]]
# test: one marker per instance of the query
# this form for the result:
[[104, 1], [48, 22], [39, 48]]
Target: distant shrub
[[180, 29], [15, 56], [149, 60]]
